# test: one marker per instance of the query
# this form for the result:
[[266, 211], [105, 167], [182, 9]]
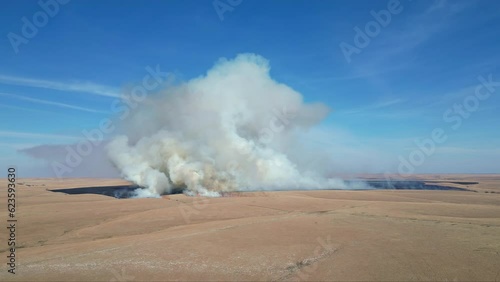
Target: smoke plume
[[233, 129]]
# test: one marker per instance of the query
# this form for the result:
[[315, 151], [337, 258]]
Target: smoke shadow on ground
[[119, 192], [122, 191], [129, 191], [414, 185]]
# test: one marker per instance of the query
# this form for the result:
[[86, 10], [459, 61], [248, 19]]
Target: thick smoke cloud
[[233, 129]]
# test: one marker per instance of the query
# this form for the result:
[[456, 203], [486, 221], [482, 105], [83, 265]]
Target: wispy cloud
[[362, 74], [18, 146], [26, 109], [451, 7], [392, 51], [84, 87], [372, 107], [40, 101], [421, 27], [17, 134], [462, 150]]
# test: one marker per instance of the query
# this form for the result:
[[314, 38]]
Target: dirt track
[[303, 235]]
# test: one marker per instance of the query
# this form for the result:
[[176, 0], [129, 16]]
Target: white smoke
[[234, 129]]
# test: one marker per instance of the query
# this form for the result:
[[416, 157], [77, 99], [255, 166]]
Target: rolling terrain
[[290, 235]]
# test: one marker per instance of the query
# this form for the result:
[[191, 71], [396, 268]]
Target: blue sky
[[425, 60]]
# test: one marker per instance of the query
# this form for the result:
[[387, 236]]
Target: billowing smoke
[[233, 129]]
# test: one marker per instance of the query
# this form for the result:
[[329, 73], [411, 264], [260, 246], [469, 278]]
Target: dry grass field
[[390, 235]]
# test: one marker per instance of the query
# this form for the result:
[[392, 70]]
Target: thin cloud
[[18, 146], [375, 106], [85, 87], [40, 101], [17, 134], [452, 7], [359, 75], [463, 150], [26, 109], [395, 45]]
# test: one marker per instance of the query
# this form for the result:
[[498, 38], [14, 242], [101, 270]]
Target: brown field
[[397, 235]]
